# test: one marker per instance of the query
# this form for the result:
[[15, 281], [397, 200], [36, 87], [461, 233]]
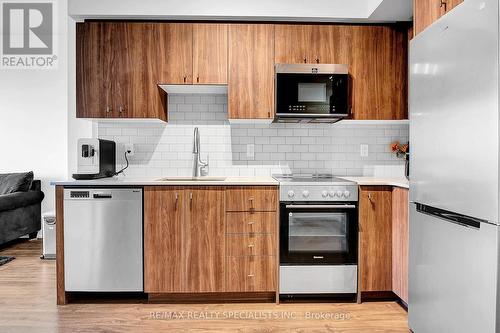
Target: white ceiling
[[260, 10]]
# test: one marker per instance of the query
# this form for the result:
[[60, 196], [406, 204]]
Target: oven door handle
[[322, 206]]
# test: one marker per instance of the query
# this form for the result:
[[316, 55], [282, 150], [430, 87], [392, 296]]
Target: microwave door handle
[[321, 206]]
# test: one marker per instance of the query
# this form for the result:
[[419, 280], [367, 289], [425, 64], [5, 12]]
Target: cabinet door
[[164, 264], [210, 54], [450, 4], [175, 65], [375, 238], [204, 239], [291, 43], [94, 70], [251, 274], [400, 243], [251, 71], [329, 44], [379, 73], [136, 92], [425, 12]]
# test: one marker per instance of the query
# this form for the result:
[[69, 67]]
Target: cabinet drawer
[[252, 198], [251, 245], [247, 222], [256, 273]]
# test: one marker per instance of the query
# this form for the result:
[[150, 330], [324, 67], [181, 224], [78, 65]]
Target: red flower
[[404, 148], [395, 147]]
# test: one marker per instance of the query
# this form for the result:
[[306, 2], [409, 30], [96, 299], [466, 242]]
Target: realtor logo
[[28, 35]]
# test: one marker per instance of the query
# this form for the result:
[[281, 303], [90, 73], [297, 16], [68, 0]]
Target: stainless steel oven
[[312, 93], [318, 233]]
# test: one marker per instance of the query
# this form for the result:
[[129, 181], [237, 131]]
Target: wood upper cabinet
[[379, 73], [136, 92], [329, 44], [210, 53], [375, 238], [425, 12], [116, 71], [164, 264], [326, 44], [175, 65], [400, 242], [291, 43], [183, 239], [251, 71], [94, 66], [204, 239]]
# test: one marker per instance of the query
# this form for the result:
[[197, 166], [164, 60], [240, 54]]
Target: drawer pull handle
[[250, 275], [251, 222], [250, 246]]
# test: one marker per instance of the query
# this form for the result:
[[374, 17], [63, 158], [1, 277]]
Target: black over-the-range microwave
[[312, 92]]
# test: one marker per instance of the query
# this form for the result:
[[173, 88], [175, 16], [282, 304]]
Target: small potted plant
[[402, 151]]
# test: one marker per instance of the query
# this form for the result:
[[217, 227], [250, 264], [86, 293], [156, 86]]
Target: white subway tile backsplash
[[166, 149]]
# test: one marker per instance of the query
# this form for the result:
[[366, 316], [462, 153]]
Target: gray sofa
[[20, 206]]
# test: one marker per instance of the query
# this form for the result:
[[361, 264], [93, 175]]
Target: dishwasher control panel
[[79, 194]]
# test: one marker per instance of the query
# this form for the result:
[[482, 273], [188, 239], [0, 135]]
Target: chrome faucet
[[200, 168]]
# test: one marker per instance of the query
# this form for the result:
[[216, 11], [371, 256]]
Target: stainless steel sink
[[192, 179]]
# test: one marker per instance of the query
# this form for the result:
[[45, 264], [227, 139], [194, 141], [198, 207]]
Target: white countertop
[[120, 181], [398, 182]]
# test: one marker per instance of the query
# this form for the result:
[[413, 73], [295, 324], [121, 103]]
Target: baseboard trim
[[226, 297]]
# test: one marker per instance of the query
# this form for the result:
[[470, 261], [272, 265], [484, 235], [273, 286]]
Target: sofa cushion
[[15, 182], [20, 199]]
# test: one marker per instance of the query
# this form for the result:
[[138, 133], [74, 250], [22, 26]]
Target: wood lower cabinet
[[251, 274], [251, 71], [204, 239], [189, 248], [164, 245], [383, 240], [250, 222], [400, 242], [252, 199], [375, 238], [251, 239], [183, 239], [251, 244]]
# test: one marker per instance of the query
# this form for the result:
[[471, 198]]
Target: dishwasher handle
[[102, 196]]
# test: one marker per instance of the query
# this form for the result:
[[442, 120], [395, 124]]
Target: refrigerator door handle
[[463, 220]]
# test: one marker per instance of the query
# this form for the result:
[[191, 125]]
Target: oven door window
[[317, 233]]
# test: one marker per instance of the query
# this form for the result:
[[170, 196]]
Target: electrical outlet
[[129, 147], [251, 150], [363, 150]]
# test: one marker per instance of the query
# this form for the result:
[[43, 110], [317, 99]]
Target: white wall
[[33, 117]]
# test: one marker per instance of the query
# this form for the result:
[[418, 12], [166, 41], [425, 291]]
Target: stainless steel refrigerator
[[454, 175]]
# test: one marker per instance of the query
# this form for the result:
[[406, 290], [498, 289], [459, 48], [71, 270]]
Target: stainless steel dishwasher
[[103, 239]]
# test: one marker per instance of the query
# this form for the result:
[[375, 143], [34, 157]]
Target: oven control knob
[[305, 193], [347, 194], [324, 194], [291, 194], [332, 193], [339, 194]]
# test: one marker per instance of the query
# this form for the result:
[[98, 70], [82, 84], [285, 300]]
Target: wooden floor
[[28, 304]]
